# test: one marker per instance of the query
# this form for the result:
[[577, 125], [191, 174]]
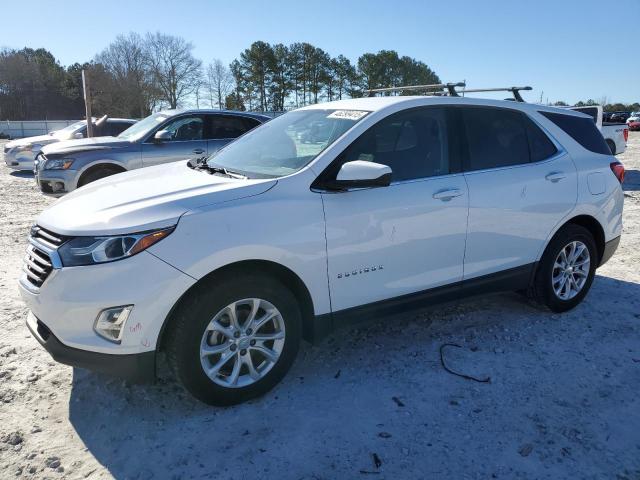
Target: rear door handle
[[555, 176], [446, 195], [198, 151]]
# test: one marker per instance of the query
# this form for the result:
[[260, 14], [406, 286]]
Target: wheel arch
[[592, 225], [111, 165], [285, 275]]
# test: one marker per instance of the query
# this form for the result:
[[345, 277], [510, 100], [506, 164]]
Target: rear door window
[[227, 127], [250, 123], [496, 137], [582, 130], [540, 146]]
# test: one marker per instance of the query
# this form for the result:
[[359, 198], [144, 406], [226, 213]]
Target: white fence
[[17, 129]]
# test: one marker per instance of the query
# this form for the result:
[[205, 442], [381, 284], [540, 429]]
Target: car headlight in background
[[58, 164], [91, 250], [24, 148]]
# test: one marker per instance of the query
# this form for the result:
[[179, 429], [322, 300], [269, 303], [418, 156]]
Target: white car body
[[347, 250]]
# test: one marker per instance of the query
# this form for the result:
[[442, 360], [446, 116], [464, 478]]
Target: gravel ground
[[562, 401]]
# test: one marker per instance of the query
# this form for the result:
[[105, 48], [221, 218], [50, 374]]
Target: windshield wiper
[[216, 170]]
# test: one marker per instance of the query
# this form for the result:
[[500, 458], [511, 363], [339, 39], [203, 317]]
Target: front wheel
[[235, 339], [566, 270]]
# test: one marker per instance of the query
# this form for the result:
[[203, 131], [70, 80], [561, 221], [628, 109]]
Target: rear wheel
[[234, 340], [566, 270]]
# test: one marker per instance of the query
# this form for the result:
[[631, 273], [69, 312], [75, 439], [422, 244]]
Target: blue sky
[[566, 49]]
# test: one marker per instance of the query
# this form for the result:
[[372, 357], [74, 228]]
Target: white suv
[[321, 217]]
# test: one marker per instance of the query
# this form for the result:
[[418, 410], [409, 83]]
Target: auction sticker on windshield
[[348, 114]]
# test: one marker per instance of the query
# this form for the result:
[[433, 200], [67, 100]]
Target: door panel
[[513, 210], [390, 241], [214, 145]]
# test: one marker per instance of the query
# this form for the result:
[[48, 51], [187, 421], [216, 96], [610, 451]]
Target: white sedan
[[20, 154]]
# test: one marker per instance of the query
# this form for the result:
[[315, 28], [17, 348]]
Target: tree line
[[138, 74]]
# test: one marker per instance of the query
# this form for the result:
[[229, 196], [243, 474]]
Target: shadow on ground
[[560, 403], [631, 181], [22, 174]]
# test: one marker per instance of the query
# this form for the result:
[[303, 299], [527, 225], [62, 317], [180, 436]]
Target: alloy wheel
[[242, 342], [571, 270]]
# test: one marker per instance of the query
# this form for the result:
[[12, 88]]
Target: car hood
[[84, 144], [37, 140], [143, 199]]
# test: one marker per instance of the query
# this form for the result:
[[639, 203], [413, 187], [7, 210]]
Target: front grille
[[47, 237], [37, 262], [37, 265]]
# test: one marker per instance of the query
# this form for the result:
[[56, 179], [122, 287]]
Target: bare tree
[[125, 60], [219, 83], [174, 70]]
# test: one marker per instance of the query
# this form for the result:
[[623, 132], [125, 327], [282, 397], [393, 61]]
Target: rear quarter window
[[582, 130]]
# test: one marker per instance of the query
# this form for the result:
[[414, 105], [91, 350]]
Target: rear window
[[582, 130]]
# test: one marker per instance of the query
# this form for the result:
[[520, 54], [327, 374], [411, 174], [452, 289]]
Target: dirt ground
[[562, 402]]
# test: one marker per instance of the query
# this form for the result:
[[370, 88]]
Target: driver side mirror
[[78, 135], [362, 174], [162, 136]]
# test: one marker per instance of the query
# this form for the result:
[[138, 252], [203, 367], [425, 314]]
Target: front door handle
[[198, 151], [555, 176], [446, 195]]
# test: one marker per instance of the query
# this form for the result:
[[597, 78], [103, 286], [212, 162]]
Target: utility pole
[[87, 103]]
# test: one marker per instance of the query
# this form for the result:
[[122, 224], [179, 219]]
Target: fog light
[[110, 322], [57, 186]]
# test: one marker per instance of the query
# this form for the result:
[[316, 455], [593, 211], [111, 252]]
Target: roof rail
[[514, 90], [450, 87]]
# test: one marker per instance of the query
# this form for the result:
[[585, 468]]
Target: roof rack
[[514, 90], [449, 87]]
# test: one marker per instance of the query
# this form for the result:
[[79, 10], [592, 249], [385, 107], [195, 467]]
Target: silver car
[[162, 137], [19, 154]]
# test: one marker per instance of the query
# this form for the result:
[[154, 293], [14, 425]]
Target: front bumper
[[140, 367], [70, 299], [19, 160], [56, 182]]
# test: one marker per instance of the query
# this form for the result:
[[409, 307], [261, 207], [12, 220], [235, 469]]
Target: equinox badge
[[360, 271]]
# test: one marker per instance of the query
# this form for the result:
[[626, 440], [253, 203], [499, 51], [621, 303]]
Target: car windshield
[[69, 130], [285, 144], [143, 127]]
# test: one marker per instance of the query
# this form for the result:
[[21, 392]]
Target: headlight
[[92, 250], [58, 164], [24, 148]]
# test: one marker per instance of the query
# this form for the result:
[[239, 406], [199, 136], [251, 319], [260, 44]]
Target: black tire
[[542, 288], [96, 173], [188, 325], [612, 146]]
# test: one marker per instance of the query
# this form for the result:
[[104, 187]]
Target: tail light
[[626, 134], [618, 170]]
